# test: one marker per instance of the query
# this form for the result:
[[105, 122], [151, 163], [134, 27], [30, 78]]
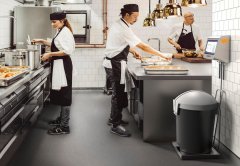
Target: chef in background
[[185, 35], [62, 46], [121, 40]]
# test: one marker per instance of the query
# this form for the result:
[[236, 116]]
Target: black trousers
[[65, 116], [108, 85], [119, 101]]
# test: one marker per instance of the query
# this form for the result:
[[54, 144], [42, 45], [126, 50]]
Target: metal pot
[[34, 59], [19, 58], [8, 56], [39, 47]]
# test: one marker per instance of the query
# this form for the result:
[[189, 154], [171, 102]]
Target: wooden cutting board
[[196, 60]]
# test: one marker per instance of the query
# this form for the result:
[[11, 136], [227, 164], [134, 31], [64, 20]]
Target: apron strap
[[124, 22], [182, 30]]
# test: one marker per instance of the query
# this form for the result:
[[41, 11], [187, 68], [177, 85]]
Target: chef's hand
[[201, 48], [46, 57], [168, 58], [137, 55], [177, 46]]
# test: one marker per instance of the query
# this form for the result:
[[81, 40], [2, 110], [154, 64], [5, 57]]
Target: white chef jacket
[[65, 41], [177, 29], [119, 37]]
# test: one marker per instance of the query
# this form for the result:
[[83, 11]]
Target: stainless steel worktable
[[157, 93]]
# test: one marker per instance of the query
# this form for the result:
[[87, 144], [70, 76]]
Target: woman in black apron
[[62, 97], [186, 40]]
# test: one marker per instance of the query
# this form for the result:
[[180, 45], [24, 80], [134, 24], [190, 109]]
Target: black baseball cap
[[57, 15], [131, 8]]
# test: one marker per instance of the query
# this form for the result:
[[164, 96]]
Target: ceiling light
[[158, 13], [194, 3], [173, 9], [149, 21]]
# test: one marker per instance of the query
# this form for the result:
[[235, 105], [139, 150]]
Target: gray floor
[[91, 144]]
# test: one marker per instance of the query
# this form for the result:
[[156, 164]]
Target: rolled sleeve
[[66, 42], [68, 47], [174, 34], [131, 38]]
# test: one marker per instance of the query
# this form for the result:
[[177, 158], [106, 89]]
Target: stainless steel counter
[[196, 71], [5, 91], [152, 105], [20, 105]]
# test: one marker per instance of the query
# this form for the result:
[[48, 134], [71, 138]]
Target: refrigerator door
[[32, 21]]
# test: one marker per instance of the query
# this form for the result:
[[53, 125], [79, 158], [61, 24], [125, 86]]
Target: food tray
[[166, 70], [9, 80]]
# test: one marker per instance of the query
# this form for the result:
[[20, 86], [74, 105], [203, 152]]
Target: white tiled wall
[[87, 61], [6, 7], [226, 21], [88, 70], [203, 19]]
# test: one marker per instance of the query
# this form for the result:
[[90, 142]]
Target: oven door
[[80, 22]]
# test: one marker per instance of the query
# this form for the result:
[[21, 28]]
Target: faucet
[[159, 45]]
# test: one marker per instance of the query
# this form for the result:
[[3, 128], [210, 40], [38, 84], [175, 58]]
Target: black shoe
[[55, 122], [120, 130], [59, 130], [122, 122]]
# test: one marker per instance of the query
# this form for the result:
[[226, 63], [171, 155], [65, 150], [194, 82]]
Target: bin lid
[[194, 100]]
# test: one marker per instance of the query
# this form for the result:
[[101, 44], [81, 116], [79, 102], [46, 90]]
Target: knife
[[28, 40]]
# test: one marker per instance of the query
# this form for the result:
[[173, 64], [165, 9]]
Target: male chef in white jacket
[[121, 40]]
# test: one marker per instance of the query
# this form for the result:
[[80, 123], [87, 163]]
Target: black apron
[[186, 40], [62, 97], [119, 95]]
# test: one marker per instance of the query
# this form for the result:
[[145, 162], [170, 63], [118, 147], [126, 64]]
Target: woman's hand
[[46, 57], [37, 41]]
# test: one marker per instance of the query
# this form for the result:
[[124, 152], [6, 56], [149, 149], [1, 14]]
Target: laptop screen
[[211, 47]]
